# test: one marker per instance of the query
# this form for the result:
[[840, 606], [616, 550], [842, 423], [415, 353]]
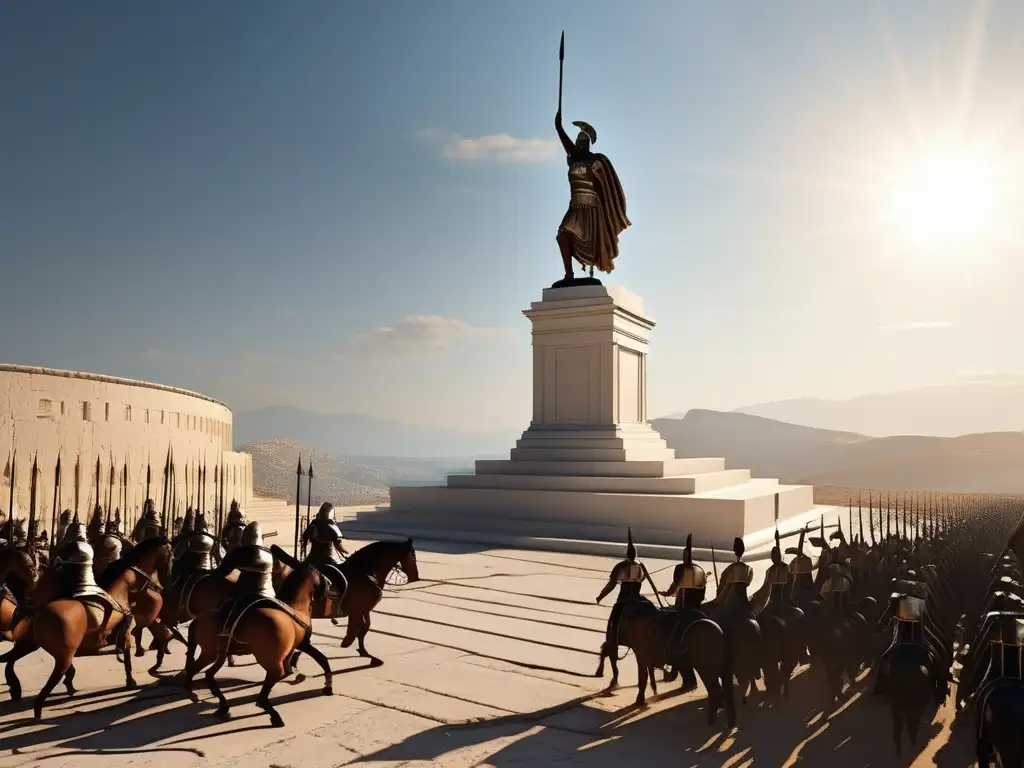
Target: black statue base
[[576, 282]]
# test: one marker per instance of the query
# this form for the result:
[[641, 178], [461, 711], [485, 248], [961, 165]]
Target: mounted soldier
[[254, 563], [907, 607], [231, 536], [186, 526], [628, 575], [94, 532], [148, 526], [62, 525], [194, 556], [15, 534], [74, 564], [326, 553], [837, 587], [689, 584], [108, 547], [801, 572], [732, 599]]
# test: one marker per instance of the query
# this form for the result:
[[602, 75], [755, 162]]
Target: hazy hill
[[989, 462], [344, 434], [341, 480], [987, 404]]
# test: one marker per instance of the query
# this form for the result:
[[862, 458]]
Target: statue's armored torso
[[581, 184]]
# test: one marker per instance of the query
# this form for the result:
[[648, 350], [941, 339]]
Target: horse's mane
[[363, 559], [293, 581], [116, 569]]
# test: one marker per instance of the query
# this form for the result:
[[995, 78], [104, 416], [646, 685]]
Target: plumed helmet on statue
[[326, 512], [588, 129], [630, 549], [252, 535]]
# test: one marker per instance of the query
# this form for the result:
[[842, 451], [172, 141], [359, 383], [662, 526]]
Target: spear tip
[[561, 47]]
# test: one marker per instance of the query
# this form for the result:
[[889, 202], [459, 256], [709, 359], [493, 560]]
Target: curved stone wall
[[87, 416]]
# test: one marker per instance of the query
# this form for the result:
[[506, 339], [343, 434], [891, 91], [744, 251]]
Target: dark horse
[[1000, 717], [66, 628], [272, 631], [651, 634], [910, 688], [366, 571]]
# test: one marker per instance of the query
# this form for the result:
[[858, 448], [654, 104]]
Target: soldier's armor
[[201, 544], [95, 529], [75, 560], [735, 579], [777, 579], [16, 535], [62, 525], [690, 588], [583, 192], [107, 550], [325, 538], [629, 575], [1008, 646], [255, 570]]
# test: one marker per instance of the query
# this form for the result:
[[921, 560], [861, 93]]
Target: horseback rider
[[773, 595], [629, 575], [689, 584], [194, 556], [15, 534], [254, 563], [732, 601], [801, 572], [837, 586], [148, 526], [94, 532], [108, 547], [186, 527], [62, 525], [231, 536], [74, 562], [326, 553], [1001, 654], [907, 606]]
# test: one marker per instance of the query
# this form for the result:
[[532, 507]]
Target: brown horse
[[653, 636], [270, 632], [17, 580], [366, 572], [66, 628]]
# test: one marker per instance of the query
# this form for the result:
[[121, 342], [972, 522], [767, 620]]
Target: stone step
[[683, 484], [671, 467], [533, 442], [631, 453]]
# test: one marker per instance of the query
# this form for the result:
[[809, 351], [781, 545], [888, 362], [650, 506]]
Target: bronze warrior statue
[[590, 229]]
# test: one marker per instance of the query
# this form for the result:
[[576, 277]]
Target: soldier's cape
[[613, 219]]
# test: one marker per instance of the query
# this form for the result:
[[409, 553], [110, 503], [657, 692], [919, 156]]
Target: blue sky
[[236, 197]]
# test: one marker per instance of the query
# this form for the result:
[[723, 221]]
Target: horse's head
[[407, 561], [20, 563]]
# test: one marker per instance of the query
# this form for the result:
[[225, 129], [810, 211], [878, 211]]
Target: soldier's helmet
[[200, 526], [65, 517], [838, 580], [18, 533], [252, 535], [777, 550], [189, 521], [630, 549], [326, 512], [694, 577], [801, 563], [150, 508], [113, 527]]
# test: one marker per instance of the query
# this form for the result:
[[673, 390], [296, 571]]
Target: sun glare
[[946, 198]]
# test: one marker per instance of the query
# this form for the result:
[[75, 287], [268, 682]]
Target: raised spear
[[10, 501], [298, 495], [203, 478], [223, 490], [309, 489], [561, 67], [97, 481], [860, 520], [110, 488], [56, 504], [124, 492], [78, 481], [149, 470], [33, 487], [163, 495]]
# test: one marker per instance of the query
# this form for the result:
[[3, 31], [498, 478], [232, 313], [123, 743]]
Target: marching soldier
[[689, 584], [254, 563], [148, 526], [628, 575], [231, 536]]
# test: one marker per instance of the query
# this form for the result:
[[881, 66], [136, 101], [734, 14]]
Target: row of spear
[[298, 493]]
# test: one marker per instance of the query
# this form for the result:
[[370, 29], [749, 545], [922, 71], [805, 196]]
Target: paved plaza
[[488, 660]]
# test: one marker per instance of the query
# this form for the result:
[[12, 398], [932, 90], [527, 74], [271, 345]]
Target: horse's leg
[[140, 649], [715, 696], [69, 680], [650, 676], [61, 664], [613, 659], [353, 629], [374, 661], [315, 654], [274, 674], [223, 710], [897, 730], [192, 665], [641, 672], [600, 661], [126, 645], [19, 651]]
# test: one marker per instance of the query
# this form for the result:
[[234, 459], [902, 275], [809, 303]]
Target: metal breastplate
[[323, 552], [737, 573], [77, 567], [581, 185], [233, 537], [108, 550], [201, 545], [910, 609], [256, 575]]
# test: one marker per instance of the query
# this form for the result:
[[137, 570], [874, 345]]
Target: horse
[[20, 565], [66, 628], [365, 571], [910, 687], [650, 633], [271, 631], [999, 719], [184, 599]]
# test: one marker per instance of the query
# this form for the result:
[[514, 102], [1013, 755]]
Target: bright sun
[[946, 197]]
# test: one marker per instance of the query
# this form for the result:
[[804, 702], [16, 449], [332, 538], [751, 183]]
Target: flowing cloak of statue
[[597, 212]]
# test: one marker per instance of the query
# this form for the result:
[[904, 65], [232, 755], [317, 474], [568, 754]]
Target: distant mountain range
[[347, 434], [985, 404], [342, 481], [987, 462]]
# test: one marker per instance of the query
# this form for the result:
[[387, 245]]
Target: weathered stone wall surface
[[85, 416]]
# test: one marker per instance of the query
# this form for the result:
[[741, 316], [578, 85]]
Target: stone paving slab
[[488, 661]]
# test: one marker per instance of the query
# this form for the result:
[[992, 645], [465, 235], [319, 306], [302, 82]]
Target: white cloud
[[417, 335], [499, 147], [917, 325]]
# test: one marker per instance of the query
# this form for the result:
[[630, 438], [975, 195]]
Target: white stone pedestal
[[589, 465]]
